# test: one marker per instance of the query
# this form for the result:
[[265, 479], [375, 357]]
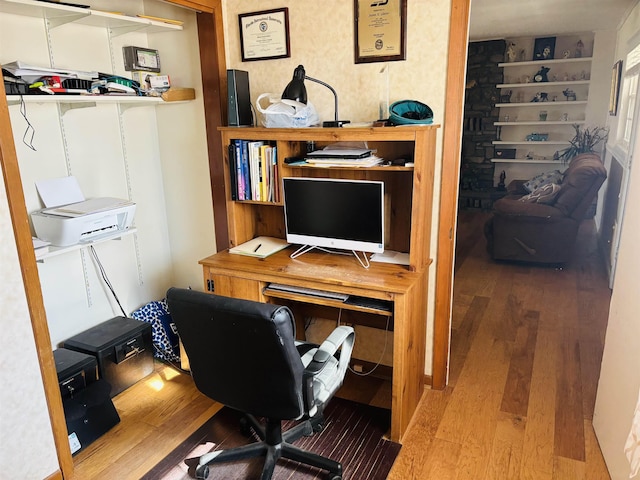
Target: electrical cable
[[384, 349], [103, 273], [23, 112]]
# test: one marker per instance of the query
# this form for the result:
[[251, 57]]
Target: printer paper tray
[[54, 251]]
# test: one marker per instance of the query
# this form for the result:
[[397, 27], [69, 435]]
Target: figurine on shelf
[[506, 98], [579, 49], [501, 185], [511, 52], [566, 54], [570, 95], [541, 75], [522, 56], [541, 97]]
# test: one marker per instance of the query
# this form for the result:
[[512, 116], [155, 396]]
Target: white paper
[[59, 191]]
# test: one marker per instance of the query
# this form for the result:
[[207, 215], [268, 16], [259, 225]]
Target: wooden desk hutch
[[408, 203]]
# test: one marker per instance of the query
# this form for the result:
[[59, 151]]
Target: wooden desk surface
[[340, 273]]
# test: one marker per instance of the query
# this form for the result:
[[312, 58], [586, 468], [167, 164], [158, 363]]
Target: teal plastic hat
[[406, 112]]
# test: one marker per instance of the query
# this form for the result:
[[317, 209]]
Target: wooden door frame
[[451, 153], [212, 56]]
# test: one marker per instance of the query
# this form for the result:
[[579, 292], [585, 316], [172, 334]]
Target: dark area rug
[[353, 434]]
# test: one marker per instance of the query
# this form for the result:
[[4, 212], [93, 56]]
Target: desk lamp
[[296, 91]]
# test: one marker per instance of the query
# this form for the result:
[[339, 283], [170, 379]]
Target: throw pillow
[[543, 179], [546, 194]]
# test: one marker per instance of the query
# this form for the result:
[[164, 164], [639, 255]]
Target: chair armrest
[[342, 336]]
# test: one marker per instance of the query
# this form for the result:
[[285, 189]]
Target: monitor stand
[[364, 261]]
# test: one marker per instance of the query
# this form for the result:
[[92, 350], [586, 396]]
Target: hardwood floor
[[525, 358], [526, 349]]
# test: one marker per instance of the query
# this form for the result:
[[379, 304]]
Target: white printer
[[83, 221]]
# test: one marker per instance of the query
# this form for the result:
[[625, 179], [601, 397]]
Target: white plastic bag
[[287, 113]]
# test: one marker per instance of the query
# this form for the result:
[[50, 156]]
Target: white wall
[[619, 381], [156, 156], [24, 420], [321, 37]]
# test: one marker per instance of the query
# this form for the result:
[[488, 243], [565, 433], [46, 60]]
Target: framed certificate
[[380, 30], [264, 35]]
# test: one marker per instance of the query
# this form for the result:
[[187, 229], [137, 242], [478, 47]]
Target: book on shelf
[[260, 247], [253, 171]]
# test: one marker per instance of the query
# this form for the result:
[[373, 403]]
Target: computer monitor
[[335, 213]]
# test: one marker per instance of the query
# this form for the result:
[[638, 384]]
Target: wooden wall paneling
[[454, 105], [214, 93], [33, 292]]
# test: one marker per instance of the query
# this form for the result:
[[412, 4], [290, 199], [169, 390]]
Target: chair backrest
[[580, 184], [241, 353]]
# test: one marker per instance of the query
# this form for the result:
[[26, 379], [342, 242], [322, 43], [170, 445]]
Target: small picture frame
[[544, 48], [264, 35], [616, 75]]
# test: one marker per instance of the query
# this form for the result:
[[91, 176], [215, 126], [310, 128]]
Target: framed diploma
[[380, 30], [264, 35]]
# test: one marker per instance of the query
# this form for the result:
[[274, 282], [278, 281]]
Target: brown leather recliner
[[544, 233]]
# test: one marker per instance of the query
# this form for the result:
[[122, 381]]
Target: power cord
[[103, 273], [384, 349], [23, 112]]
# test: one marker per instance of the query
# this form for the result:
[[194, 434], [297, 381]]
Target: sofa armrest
[[516, 208]]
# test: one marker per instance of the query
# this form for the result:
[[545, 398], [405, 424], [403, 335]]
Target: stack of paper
[[260, 247], [341, 156]]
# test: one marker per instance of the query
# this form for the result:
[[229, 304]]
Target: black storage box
[[75, 370], [88, 410], [122, 347]]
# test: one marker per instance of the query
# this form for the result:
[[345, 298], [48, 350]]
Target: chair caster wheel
[[202, 472], [317, 428], [333, 476]]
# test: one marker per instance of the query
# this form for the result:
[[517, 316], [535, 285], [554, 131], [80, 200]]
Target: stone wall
[[483, 74]]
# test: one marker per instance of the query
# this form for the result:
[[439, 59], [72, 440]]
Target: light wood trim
[[57, 475], [33, 292], [207, 6], [454, 105]]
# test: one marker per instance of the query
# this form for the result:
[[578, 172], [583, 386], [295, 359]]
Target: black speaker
[[239, 108]]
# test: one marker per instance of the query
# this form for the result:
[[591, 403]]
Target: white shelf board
[[545, 62], [86, 99], [540, 104], [61, 14], [55, 251], [539, 84], [532, 142], [539, 122]]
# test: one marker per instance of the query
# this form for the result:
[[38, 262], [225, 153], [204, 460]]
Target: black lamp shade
[[296, 90]]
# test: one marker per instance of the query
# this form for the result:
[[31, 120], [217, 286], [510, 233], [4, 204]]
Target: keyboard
[[312, 292]]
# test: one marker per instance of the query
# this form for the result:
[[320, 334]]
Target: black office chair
[[244, 355]]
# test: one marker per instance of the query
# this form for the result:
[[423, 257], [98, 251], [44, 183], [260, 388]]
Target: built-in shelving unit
[[59, 14], [549, 107]]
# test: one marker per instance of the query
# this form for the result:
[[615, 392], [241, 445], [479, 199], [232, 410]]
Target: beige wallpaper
[[322, 39]]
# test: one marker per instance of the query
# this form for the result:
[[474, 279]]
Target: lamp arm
[[335, 95]]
